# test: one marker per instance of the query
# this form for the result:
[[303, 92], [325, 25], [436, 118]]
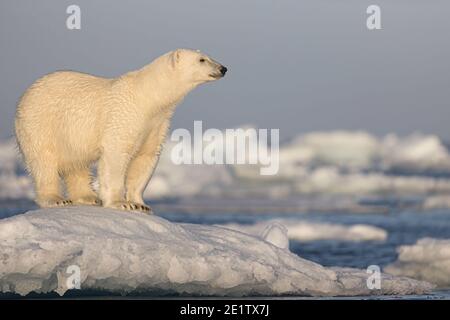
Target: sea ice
[[133, 252]]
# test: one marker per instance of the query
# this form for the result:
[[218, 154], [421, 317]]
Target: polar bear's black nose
[[223, 70]]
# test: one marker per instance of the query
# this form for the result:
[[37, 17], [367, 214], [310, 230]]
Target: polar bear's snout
[[223, 70]]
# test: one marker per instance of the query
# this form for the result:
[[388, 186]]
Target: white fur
[[66, 121]]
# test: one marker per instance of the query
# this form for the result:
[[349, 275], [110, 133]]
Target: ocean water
[[404, 226]]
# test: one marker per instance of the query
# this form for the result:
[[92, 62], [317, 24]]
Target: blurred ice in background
[[340, 169]]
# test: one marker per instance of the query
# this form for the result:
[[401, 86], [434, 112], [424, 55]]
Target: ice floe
[[133, 252], [428, 259]]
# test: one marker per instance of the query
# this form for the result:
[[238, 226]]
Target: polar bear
[[67, 121]]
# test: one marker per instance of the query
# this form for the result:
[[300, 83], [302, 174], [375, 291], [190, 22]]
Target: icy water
[[403, 226]]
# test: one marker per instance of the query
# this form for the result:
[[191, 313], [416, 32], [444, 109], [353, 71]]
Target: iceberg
[[127, 252], [428, 259]]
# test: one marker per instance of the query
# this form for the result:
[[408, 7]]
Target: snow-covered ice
[[428, 259], [313, 231], [123, 252]]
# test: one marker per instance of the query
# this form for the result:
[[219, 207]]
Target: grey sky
[[294, 65]]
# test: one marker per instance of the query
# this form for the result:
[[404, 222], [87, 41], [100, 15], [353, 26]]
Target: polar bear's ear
[[175, 57]]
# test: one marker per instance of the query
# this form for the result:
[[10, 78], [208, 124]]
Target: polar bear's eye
[[202, 60]]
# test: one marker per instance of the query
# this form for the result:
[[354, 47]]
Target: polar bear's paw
[[131, 206], [88, 200], [52, 202]]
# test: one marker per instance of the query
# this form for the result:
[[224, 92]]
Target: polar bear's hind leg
[[48, 184], [78, 185]]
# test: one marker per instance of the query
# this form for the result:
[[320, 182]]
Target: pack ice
[[132, 252]]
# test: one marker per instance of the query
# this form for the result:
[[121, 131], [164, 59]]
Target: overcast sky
[[295, 65]]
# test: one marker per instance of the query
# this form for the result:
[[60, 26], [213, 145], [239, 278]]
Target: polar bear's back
[[63, 91], [60, 110]]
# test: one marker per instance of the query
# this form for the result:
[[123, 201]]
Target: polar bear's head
[[196, 67]]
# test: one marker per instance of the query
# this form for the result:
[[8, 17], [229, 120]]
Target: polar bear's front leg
[[139, 174], [112, 168], [142, 166], [111, 175]]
